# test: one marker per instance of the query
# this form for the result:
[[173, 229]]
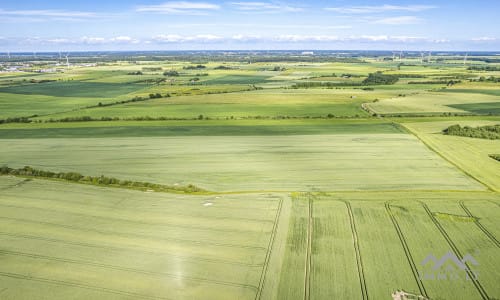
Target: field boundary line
[[122, 220], [139, 249], [78, 285], [479, 225], [125, 269], [308, 264], [406, 250], [130, 235], [263, 274], [455, 249], [489, 188], [19, 183], [359, 262]]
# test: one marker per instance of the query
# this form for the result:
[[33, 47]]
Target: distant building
[[307, 53]]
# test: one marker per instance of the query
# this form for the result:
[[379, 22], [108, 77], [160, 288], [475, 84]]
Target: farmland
[[322, 177]]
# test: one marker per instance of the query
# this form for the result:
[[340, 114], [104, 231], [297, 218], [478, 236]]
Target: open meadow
[[252, 176]]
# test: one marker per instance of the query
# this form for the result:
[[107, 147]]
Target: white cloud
[[379, 9], [246, 38], [305, 38], [484, 39], [174, 38], [124, 40], [48, 13], [264, 7], [180, 8], [402, 20], [92, 40]]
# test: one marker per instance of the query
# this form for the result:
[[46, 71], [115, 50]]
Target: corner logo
[[449, 267]]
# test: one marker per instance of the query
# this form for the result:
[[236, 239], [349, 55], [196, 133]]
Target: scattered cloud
[[402, 20], [264, 7], [180, 8], [245, 38], [124, 40], [174, 38], [92, 40], [484, 39], [306, 38], [48, 13], [379, 9]]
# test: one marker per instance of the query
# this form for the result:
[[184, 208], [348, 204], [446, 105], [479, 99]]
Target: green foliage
[[155, 96], [484, 68], [482, 132], [97, 180], [152, 69], [135, 73], [495, 156], [171, 73], [222, 67], [15, 120], [197, 67], [378, 78]]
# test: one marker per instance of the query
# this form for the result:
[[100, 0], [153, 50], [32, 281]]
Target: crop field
[[335, 232], [233, 163], [469, 154], [116, 244], [248, 176], [267, 103], [435, 103]]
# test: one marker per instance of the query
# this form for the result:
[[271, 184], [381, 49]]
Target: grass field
[[334, 190], [372, 262], [237, 163], [434, 103], [196, 128], [259, 103], [470, 154], [127, 244]]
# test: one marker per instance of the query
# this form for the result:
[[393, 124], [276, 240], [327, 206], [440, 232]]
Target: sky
[[439, 25]]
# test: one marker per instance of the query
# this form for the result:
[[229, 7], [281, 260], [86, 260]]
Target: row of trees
[[15, 120], [97, 180], [491, 132], [483, 68]]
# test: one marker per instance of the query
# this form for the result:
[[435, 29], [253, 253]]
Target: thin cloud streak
[[180, 8], [379, 9]]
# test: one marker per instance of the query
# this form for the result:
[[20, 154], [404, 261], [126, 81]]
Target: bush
[[378, 78], [171, 73]]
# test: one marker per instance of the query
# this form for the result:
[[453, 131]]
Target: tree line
[[102, 180], [491, 132]]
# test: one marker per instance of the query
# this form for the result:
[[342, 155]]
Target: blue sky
[[257, 24]]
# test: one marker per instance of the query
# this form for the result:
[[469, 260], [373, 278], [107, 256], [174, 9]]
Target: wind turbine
[[400, 55], [393, 55], [421, 57], [60, 55], [67, 60], [8, 54], [34, 54], [465, 58], [429, 57]]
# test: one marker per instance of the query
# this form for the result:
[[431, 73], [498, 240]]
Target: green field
[[437, 103], [480, 108], [342, 237], [312, 185], [240, 163], [126, 244]]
